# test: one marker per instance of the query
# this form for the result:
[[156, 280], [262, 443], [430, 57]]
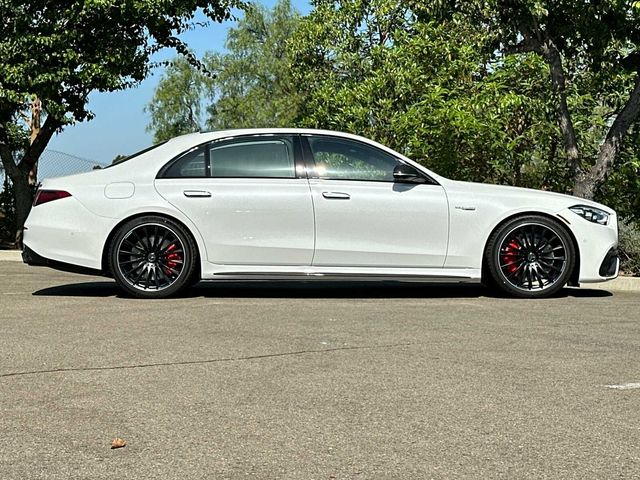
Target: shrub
[[629, 247]]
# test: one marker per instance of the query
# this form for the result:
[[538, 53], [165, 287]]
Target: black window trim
[[298, 164], [311, 166]]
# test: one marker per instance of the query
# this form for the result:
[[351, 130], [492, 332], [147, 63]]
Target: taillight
[[44, 196]]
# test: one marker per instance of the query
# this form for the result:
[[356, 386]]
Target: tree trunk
[[24, 197], [587, 183], [35, 125], [554, 60], [20, 173]]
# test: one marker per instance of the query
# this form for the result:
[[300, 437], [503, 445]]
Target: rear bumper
[[65, 231], [32, 258]]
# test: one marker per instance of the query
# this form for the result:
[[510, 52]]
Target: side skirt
[[434, 275]]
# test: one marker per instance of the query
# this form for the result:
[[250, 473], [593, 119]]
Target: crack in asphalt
[[203, 362]]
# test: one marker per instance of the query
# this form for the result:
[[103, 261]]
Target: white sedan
[[303, 204]]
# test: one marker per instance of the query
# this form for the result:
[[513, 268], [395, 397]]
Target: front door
[[364, 218]]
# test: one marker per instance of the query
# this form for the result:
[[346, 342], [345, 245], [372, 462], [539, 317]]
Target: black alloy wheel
[[152, 257], [531, 257]]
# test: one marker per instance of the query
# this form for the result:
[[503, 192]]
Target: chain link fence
[[52, 164]]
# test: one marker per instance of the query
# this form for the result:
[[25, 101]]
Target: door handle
[[336, 195], [196, 193]]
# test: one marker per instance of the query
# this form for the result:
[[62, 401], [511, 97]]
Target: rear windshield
[[129, 157]]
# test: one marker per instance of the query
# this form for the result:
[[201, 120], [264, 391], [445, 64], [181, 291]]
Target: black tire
[[153, 257], [530, 256]]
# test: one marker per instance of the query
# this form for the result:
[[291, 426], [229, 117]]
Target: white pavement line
[[625, 386]]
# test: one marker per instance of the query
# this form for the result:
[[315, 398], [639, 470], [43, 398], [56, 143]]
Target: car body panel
[[244, 219], [379, 224]]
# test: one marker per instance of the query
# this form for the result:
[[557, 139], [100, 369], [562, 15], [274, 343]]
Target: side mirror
[[407, 174]]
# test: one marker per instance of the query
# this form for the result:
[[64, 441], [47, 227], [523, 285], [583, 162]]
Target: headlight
[[592, 214]]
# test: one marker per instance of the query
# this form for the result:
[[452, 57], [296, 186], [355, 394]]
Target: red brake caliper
[[172, 258], [509, 256]]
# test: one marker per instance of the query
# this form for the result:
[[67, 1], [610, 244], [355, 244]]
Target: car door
[[366, 219], [246, 199]]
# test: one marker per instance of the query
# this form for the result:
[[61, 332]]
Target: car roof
[[216, 134]]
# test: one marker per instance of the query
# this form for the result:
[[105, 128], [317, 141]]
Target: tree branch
[[588, 182], [33, 152], [6, 155], [525, 46]]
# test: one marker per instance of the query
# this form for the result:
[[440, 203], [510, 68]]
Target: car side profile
[[304, 204]]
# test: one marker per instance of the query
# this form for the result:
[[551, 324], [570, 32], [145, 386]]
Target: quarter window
[[191, 165], [344, 159]]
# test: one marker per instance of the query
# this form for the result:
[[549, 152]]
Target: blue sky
[[120, 122]]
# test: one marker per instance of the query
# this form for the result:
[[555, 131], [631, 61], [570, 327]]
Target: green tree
[[504, 90], [428, 86], [176, 107], [593, 62], [56, 53], [247, 86]]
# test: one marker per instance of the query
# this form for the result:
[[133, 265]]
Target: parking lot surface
[[314, 381]]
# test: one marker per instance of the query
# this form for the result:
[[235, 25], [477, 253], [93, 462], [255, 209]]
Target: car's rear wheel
[[530, 256], [152, 257]]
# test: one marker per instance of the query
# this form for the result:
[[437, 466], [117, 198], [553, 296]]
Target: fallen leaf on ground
[[118, 443]]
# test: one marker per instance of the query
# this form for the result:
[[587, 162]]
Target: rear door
[[246, 198]]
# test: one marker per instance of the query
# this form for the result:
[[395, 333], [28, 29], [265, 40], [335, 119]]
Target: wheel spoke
[[142, 269], [515, 262], [172, 270], [516, 271], [539, 277], [139, 260]]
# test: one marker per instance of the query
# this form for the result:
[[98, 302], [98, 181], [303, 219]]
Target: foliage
[[248, 86], [449, 84], [594, 64], [60, 51], [629, 248], [429, 89], [253, 88], [176, 107], [460, 87], [56, 53]]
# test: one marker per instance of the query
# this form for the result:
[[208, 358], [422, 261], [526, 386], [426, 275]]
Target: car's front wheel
[[530, 256], [152, 257]]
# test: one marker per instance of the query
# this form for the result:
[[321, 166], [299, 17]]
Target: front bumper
[[610, 265], [597, 247]]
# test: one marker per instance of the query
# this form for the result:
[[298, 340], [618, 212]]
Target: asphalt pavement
[[314, 381]]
